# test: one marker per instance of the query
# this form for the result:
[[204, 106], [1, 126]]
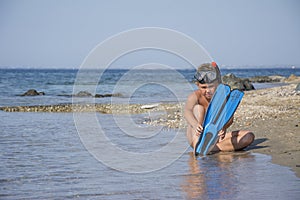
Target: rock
[[87, 94], [260, 79], [99, 96], [293, 79], [276, 78], [83, 94], [237, 83], [108, 95], [267, 79], [32, 92], [248, 85]]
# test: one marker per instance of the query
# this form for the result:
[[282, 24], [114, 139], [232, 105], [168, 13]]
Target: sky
[[62, 33]]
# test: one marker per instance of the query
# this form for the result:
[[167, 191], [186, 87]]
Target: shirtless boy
[[208, 77]]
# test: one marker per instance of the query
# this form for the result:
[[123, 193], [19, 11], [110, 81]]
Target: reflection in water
[[214, 176]]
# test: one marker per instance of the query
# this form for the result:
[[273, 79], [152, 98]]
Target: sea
[[135, 86], [97, 156]]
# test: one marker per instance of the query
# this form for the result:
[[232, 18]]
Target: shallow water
[[42, 157]]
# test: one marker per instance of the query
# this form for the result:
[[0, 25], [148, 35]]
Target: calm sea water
[[43, 156], [136, 86]]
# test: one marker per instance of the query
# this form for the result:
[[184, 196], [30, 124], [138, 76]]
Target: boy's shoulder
[[196, 95]]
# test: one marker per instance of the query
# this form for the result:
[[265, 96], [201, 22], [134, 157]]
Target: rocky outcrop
[[246, 83], [32, 92], [267, 79], [237, 83], [88, 94], [108, 95], [292, 79], [275, 79], [83, 94]]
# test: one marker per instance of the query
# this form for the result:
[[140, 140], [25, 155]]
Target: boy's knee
[[198, 110], [247, 139]]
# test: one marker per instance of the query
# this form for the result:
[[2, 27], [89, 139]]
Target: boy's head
[[208, 73]]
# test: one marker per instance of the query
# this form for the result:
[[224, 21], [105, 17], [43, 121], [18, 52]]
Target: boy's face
[[207, 90]]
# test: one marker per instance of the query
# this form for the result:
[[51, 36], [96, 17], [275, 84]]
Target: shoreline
[[273, 114]]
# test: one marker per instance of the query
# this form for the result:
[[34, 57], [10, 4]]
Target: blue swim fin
[[216, 103], [218, 100], [220, 110], [233, 103]]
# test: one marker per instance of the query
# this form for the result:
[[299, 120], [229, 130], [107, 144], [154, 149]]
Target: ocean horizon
[[126, 67]]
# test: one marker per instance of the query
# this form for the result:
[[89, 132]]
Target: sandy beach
[[272, 114], [274, 117]]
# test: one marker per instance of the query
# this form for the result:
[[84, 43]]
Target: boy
[[208, 77]]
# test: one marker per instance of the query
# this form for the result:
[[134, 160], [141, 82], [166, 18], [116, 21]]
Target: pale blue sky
[[61, 33]]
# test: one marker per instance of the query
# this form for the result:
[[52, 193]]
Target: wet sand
[[274, 117], [272, 114]]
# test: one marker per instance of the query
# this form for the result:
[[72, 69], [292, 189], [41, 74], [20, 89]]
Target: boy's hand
[[199, 130], [221, 134]]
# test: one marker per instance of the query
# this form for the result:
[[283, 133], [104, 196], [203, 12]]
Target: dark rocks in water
[[108, 95], [261, 79], [267, 79], [32, 92], [87, 94], [248, 84], [237, 83], [83, 94]]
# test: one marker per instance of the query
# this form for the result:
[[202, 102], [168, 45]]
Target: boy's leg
[[235, 140], [192, 136]]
